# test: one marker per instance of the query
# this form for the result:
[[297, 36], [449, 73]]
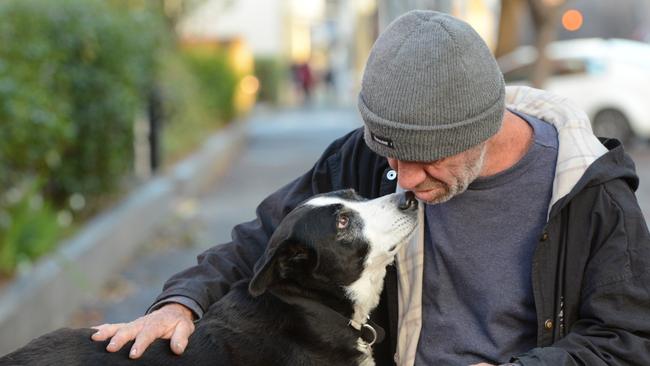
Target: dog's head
[[331, 241]]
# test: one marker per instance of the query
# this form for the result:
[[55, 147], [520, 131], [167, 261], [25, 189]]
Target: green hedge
[[217, 80], [29, 226], [186, 122], [73, 76], [271, 72]]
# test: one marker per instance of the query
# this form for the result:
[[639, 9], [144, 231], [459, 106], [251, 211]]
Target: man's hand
[[172, 321]]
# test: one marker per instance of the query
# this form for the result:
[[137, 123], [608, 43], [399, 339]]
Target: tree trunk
[[509, 26], [545, 18]]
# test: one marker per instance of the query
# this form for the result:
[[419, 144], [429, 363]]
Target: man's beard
[[464, 177]]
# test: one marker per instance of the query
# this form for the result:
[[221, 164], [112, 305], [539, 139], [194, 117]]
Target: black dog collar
[[369, 331]]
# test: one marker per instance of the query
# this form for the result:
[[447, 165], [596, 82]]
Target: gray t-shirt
[[477, 293]]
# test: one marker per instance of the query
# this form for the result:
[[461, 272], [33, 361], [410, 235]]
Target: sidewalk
[[281, 146]]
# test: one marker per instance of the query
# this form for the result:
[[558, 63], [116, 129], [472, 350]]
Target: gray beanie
[[431, 89]]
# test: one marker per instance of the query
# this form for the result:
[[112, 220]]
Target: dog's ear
[[288, 259]]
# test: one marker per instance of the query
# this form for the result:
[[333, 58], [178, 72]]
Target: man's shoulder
[[351, 145], [350, 163], [350, 139]]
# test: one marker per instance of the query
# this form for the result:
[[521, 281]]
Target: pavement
[[281, 145]]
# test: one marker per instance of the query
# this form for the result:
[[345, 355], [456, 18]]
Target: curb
[[43, 299]]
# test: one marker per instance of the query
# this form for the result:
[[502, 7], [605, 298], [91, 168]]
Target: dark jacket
[[590, 270]]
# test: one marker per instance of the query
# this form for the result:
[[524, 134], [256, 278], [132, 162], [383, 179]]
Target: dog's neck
[[365, 292], [337, 302], [359, 299], [319, 314]]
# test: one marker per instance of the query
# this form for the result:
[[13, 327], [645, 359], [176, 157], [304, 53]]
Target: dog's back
[[74, 347], [237, 330]]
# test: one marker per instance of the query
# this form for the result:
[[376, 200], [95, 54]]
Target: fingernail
[[112, 345], [134, 351], [179, 346]]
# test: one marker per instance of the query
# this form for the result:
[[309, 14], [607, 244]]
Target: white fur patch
[[366, 358]]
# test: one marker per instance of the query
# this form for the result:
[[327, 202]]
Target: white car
[[608, 78]]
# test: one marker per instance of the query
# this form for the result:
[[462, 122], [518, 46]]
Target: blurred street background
[[106, 105]]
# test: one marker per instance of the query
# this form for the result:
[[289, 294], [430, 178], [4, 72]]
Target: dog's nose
[[407, 201]]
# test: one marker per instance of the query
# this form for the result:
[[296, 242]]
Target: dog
[[308, 302]]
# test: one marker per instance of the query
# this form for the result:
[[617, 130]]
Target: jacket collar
[[578, 146]]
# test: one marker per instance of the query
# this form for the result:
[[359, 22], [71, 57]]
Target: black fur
[[237, 330]]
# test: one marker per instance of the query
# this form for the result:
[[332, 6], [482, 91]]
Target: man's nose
[[410, 175]]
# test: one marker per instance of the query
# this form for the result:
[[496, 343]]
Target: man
[[532, 248]]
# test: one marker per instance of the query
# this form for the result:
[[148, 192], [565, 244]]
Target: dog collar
[[369, 331]]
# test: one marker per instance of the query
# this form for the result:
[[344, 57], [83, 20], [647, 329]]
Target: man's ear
[[286, 260]]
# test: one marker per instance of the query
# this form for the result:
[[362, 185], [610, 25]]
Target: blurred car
[[608, 78]]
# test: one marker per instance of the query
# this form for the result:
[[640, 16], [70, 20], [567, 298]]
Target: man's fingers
[[180, 336], [162, 323], [123, 335], [105, 331], [143, 340]]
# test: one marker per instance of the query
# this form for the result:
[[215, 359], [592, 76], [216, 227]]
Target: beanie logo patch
[[382, 140]]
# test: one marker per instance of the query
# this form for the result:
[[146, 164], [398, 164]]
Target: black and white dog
[[307, 304]]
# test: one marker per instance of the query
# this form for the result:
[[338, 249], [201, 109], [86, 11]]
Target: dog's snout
[[408, 201]]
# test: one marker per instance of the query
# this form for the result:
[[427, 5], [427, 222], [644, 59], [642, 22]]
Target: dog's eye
[[342, 222]]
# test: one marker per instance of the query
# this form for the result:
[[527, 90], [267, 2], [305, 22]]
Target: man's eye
[[342, 222]]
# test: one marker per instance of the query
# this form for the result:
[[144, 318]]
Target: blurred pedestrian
[[303, 80], [532, 247], [306, 80], [329, 83]]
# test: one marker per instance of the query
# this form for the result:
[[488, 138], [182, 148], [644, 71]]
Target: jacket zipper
[[561, 275]]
